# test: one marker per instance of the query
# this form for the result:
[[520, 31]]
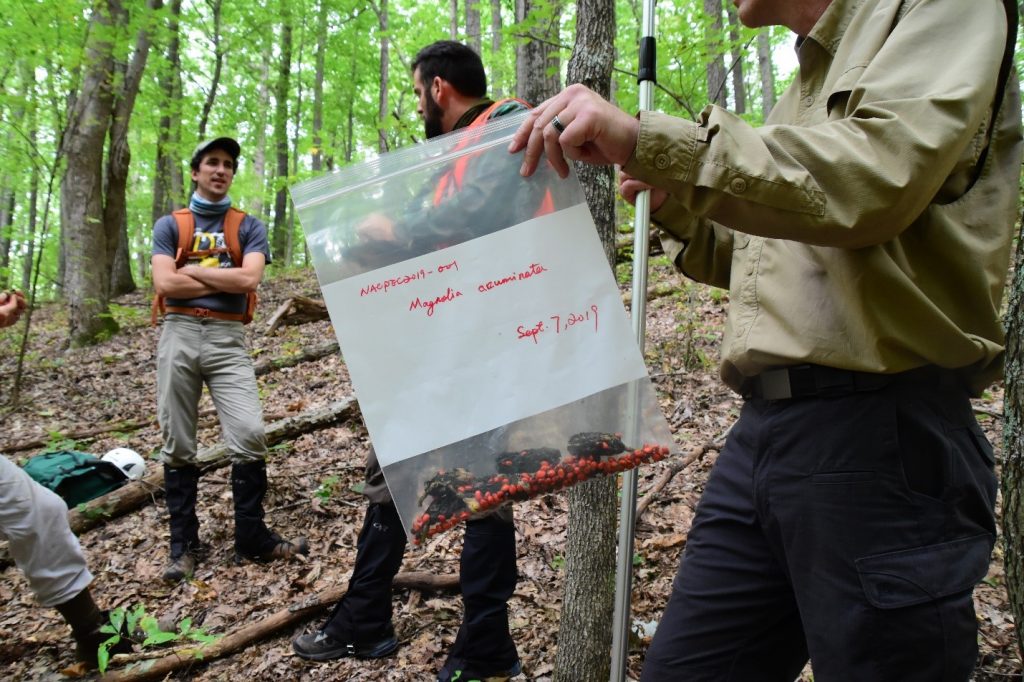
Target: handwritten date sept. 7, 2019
[[560, 323]]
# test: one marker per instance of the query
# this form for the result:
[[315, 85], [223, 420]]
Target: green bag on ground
[[76, 476]]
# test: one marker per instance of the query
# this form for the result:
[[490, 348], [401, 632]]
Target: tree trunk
[[115, 210], [168, 182], [473, 25], [497, 73], [767, 71], [259, 142], [537, 64], [1013, 436], [739, 88], [84, 240], [716, 73], [453, 20], [218, 66], [585, 634], [33, 217], [318, 85], [385, 48], [280, 245], [7, 206]]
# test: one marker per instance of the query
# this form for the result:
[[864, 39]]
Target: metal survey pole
[[621, 619]]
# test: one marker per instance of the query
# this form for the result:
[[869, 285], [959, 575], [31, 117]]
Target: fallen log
[[270, 364], [659, 290], [137, 494], [262, 367], [296, 310], [675, 465], [624, 246], [81, 434], [138, 671]]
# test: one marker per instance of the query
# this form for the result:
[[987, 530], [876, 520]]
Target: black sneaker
[[320, 646], [457, 670]]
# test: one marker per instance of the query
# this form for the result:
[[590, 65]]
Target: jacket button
[[808, 101], [738, 185], [661, 161]]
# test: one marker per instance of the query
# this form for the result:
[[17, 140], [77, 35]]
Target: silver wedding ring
[[557, 125]]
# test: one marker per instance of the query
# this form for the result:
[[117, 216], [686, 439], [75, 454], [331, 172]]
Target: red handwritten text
[[429, 305], [391, 283], [534, 269], [532, 332], [454, 265], [562, 324]]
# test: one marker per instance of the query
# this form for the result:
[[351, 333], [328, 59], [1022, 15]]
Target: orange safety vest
[[186, 249], [451, 181]]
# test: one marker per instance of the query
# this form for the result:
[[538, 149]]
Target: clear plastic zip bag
[[481, 325]]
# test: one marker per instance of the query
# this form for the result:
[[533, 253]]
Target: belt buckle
[[202, 312]]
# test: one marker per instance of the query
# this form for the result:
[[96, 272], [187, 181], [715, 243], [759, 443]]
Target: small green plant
[[558, 562], [58, 441], [328, 486], [92, 513], [125, 623]]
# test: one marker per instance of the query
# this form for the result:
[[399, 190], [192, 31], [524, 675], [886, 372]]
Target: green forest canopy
[[251, 70]]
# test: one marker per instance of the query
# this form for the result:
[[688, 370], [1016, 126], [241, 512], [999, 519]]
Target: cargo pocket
[[914, 576]]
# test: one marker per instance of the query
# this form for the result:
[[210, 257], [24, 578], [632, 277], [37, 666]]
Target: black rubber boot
[[86, 619], [487, 579], [181, 487], [253, 540]]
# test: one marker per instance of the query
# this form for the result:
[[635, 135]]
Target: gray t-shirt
[[252, 235]]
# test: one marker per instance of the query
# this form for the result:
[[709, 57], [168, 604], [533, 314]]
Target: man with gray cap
[[208, 260]]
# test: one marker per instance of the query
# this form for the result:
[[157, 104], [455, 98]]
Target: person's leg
[[179, 385], [34, 522], [227, 369], [181, 489], [885, 504], [487, 578], [360, 624], [732, 616]]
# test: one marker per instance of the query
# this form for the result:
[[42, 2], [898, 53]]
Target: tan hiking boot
[[181, 568]]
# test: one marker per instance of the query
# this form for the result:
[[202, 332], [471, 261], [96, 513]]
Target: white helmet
[[128, 461]]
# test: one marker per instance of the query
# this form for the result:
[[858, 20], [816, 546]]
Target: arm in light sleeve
[[904, 125], [699, 248]]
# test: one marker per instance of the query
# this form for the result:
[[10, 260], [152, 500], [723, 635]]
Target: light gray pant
[[193, 351], [35, 522]]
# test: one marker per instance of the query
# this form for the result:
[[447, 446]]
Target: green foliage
[[92, 513], [558, 562], [58, 441], [136, 623], [327, 488], [129, 316], [44, 44]]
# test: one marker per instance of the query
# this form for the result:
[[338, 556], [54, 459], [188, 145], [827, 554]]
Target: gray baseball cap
[[226, 143]]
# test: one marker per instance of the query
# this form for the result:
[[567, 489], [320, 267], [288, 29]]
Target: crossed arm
[[193, 281]]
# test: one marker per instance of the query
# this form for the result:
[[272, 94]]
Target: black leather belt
[[804, 381]]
